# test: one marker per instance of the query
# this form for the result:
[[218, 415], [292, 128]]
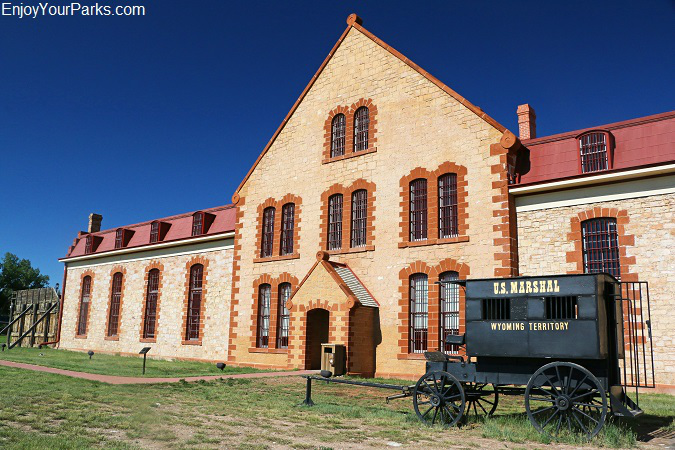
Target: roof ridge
[[354, 21]]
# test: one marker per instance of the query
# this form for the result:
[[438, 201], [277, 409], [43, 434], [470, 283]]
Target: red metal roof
[[180, 228], [640, 142]]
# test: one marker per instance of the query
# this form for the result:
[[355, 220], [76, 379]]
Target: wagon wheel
[[439, 398], [563, 395], [481, 399]]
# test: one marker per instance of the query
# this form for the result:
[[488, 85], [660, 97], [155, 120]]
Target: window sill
[[192, 342], [148, 340], [365, 248], [426, 242], [277, 258], [268, 350], [80, 336], [411, 356], [349, 155], [112, 338]]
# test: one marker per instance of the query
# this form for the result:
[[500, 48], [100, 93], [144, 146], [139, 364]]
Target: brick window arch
[[595, 151], [115, 305], [359, 219], [418, 210], [264, 305], [267, 243], [335, 222], [283, 316], [338, 133], [449, 307], [194, 307], [447, 206], [287, 225], [85, 300], [419, 312], [361, 123], [600, 244], [151, 305]]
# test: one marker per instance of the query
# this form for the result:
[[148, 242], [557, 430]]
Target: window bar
[[264, 294], [151, 305], [267, 232], [335, 222], [361, 121], [287, 224], [359, 214], [418, 210], [338, 128], [194, 302], [284, 316], [447, 205]]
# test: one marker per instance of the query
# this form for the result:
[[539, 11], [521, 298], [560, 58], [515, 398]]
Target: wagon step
[[622, 405]]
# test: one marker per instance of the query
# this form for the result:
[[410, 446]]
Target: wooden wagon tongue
[[572, 351]]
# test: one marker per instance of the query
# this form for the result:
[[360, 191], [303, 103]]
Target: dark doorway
[[317, 334]]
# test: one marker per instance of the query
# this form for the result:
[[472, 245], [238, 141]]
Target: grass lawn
[[114, 365], [40, 410]]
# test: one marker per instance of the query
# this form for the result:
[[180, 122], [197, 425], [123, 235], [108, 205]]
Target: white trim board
[[156, 253], [595, 194]]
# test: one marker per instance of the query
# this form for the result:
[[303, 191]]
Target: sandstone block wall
[[544, 247]]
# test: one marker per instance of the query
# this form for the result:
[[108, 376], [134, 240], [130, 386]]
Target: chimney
[[527, 122], [94, 223]]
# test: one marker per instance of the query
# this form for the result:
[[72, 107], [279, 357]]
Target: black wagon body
[[572, 345]]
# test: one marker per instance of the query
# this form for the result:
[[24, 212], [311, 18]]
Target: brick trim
[[236, 277], [274, 283], [576, 256], [433, 273], [84, 274], [432, 205], [159, 266], [202, 307], [115, 270], [347, 216], [349, 112], [278, 218]]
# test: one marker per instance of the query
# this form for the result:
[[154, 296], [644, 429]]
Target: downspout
[[63, 296]]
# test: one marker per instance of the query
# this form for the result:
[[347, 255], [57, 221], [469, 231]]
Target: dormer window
[[87, 245], [154, 232], [198, 224], [91, 243], [119, 238], [595, 151]]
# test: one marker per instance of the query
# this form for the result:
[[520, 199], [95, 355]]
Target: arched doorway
[[317, 334]]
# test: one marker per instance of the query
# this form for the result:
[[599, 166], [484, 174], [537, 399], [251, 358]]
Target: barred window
[[264, 296], [283, 321], [361, 122], [600, 241], [337, 142], [561, 308], [359, 217], [419, 313], [87, 244], [85, 297], [194, 303], [496, 308], [119, 238], [154, 232], [198, 224], [447, 206], [151, 298], [267, 242], [335, 222], [418, 209], [449, 310], [593, 148], [115, 300], [287, 225]]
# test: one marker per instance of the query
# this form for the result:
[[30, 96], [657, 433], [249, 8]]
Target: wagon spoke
[[433, 421], [447, 411], [427, 411], [542, 410], [579, 422], [481, 407], [555, 391], [563, 387], [579, 384], [589, 405], [557, 427], [577, 409], [591, 392], [549, 419], [542, 399]]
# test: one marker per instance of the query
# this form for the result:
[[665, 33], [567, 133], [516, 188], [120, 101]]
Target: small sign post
[[144, 351]]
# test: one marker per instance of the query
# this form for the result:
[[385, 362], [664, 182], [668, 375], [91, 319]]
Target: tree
[[17, 274]]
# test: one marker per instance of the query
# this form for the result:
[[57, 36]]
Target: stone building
[[380, 182]]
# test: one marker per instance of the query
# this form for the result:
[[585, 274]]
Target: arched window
[[115, 300], [337, 140], [600, 241], [447, 206], [264, 298], [287, 225], [335, 222], [154, 232], [418, 210], [283, 320], [267, 242], [198, 224], [361, 122], [151, 298], [359, 217], [85, 297], [449, 309], [419, 312], [594, 151], [194, 303]]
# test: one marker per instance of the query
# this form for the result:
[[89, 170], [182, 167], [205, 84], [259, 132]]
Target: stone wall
[[545, 248], [174, 267]]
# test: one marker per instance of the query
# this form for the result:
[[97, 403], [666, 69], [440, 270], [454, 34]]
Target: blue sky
[[143, 117]]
